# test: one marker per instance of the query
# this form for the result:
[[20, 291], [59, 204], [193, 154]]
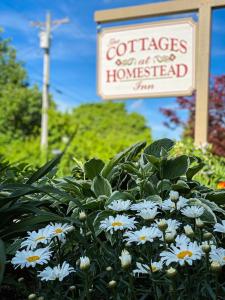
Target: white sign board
[[147, 60]]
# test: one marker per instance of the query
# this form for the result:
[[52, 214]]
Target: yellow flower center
[[183, 254], [40, 238], [33, 258], [142, 238], [117, 223], [224, 258], [58, 230]]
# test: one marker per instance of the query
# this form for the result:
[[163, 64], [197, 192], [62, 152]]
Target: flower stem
[[87, 294]]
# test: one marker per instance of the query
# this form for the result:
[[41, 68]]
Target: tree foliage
[[20, 104], [216, 132]]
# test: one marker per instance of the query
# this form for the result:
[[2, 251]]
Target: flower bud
[[125, 259], [32, 296], [171, 272], [109, 269], [189, 231], [206, 248], [174, 196], [215, 267], [72, 288], [21, 279], [84, 263], [162, 225], [112, 284], [207, 236], [82, 216], [170, 237], [199, 223]]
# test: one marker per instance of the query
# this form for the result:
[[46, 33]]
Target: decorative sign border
[[186, 92]]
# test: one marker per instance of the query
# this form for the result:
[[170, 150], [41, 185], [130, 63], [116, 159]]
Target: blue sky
[[73, 52]]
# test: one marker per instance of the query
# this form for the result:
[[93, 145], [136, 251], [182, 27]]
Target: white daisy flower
[[120, 205], [145, 269], [187, 252], [218, 255], [192, 211], [120, 222], [174, 195], [143, 205], [145, 234], [29, 258], [171, 206], [220, 227], [84, 262], [125, 259], [173, 225], [42, 236], [148, 213], [58, 272], [182, 239], [168, 205], [60, 230]]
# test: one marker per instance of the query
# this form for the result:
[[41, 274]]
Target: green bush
[[96, 250], [213, 168]]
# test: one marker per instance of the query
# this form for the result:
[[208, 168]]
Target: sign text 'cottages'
[[147, 60]]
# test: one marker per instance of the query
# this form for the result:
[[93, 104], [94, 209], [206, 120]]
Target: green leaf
[[175, 167], [164, 185], [93, 167], [180, 185], [2, 260], [156, 147], [44, 169], [155, 198], [129, 152], [194, 170], [101, 186], [217, 196]]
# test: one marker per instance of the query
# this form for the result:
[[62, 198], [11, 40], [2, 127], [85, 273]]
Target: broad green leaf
[[180, 185], [175, 167], [93, 167], [164, 185], [101, 186], [156, 147], [192, 171], [155, 198], [217, 196], [129, 152]]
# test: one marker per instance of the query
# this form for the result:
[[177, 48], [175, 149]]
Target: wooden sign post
[[204, 10]]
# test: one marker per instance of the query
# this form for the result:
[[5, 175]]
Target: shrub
[[137, 227], [213, 166]]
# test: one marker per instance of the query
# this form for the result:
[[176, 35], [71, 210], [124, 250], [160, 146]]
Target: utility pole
[[45, 43]]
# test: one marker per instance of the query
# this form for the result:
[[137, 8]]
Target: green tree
[[103, 130], [20, 104]]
